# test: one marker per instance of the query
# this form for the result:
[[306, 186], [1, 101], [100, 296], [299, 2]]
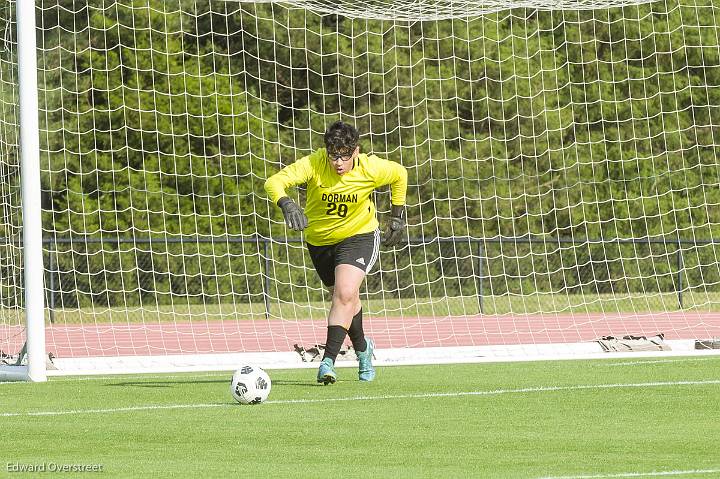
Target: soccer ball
[[250, 385]]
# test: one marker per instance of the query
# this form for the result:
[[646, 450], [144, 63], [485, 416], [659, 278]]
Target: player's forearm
[[398, 188], [275, 188], [297, 173]]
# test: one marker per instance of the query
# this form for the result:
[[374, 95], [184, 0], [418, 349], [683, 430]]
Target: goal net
[[562, 159]]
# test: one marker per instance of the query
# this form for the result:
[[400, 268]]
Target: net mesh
[[562, 167]]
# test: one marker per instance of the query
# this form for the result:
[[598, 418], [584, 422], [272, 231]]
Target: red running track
[[76, 340]]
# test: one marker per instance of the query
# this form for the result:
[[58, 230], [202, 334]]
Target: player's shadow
[[164, 384], [169, 384], [284, 382]]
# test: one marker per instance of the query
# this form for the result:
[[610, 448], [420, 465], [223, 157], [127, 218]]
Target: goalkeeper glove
[[395, 226], [294, 216]]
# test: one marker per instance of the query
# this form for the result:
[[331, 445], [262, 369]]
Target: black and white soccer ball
[[250, 385]]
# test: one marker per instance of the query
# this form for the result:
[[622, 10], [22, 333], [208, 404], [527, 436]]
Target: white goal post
[[563, 179], [34, 368]]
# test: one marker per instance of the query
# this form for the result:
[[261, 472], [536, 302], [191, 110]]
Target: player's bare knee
[[345, 296]]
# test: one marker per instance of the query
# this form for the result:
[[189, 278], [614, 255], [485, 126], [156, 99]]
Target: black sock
[[356, 333], [335, 338]]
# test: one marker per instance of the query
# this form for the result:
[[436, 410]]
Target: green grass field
[[639, 417]]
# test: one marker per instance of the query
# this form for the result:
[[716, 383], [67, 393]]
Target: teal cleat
[[326, 372], [366, 371]]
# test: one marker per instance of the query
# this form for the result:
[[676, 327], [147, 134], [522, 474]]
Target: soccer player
[[341, 230]]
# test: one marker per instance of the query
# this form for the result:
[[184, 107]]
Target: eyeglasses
[[344, 159], [338, 157]]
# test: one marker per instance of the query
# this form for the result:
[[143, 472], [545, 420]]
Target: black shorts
[[359, 250]]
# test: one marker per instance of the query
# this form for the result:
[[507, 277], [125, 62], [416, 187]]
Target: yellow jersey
[[339, 206]]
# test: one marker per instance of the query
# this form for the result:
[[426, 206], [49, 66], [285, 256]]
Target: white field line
[[119, 377], [495, 392], [639, 474], [653, 361]]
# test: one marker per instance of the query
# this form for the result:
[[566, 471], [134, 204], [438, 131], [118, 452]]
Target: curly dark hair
[[341, 139]]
